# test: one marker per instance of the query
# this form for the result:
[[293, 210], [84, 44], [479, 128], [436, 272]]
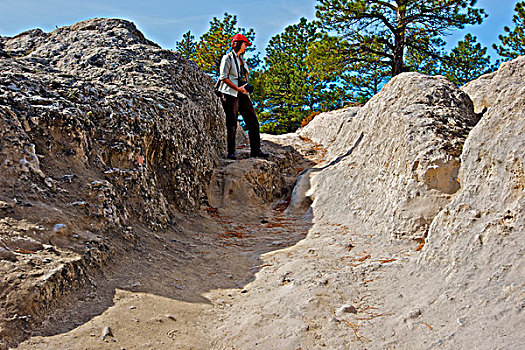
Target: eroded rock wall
[[326, 128], [394, 163], [103, 135], [499, 88], [390, 167], [476, 244]]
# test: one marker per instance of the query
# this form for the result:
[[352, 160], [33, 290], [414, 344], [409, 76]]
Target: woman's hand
[[243, 90], [235, 87]]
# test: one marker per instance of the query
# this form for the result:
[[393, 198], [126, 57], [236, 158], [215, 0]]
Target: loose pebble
[[346, 309]]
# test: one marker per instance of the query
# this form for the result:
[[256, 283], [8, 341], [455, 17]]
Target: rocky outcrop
[[390, 167], [352, 283], [102, 134], [492, 175], [252, 184], [105, 77], [393, 164], [255, 184], [465, 289], [476, 243], [326, 128], [497, 89]]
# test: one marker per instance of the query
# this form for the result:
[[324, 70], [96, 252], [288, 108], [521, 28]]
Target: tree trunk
[[399, 38], [397, 63]]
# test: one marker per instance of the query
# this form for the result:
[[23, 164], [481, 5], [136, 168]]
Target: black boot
[[260, 154]]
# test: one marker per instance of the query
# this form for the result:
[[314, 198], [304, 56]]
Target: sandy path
[[157, 298]]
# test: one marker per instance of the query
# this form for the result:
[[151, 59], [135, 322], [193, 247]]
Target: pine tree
[[513, 42], [354, 82], [382, 31], [365, 80], [428, 61], [187, 46], [215, 43], [467, 61], [291, 86]]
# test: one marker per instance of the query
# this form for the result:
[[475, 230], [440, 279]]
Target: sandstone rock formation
[[404, 230], [498, 88], [468, 284], [476, 244], [405, 141], [408, 165], [103, 135]]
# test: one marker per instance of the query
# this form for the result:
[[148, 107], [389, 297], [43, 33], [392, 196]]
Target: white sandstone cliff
[[417, 234]]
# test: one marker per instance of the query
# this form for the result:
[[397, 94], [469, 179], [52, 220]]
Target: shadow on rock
[[218, 247]]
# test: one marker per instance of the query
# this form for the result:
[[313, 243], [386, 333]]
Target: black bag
[[248, 88]]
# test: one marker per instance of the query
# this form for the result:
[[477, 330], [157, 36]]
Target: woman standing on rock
[[233, 77]]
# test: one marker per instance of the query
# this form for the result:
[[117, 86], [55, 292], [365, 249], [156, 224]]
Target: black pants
[[232, 106]]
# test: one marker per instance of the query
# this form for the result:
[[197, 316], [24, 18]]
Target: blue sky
[[164, 21]]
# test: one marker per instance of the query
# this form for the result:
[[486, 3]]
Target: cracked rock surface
[[103, 135]]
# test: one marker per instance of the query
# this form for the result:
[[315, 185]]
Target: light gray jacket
[[229, 70]]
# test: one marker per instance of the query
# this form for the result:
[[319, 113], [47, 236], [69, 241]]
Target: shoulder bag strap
[[235, 59]]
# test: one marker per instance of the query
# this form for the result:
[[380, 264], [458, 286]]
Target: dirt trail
[[155, 300], [171, 290]]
